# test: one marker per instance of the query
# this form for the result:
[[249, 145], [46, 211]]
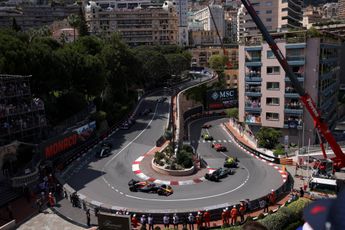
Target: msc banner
[[108, 221], [221, 99]]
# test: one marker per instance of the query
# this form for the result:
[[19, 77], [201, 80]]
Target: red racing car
[[219, 147]]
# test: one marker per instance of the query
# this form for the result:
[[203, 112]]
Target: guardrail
[[21, 181]]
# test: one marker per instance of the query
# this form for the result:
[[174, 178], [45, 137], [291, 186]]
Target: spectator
[[199, 220], [253, 225], [166, 220], [242, 211], [150, 222], [224, 217], [227, 212], [326, 214], [39, 204], [9, 211], [175, 221], [207, 218], [143, 221], [234, 214], [134, 221], [191, 220], [272, 197], [88, 218], [301, 192]]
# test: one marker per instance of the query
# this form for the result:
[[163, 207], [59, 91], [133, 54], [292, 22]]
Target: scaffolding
[[22, 117]]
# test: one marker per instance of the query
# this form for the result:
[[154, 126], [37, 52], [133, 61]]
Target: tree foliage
[[232, 113], [268, 137], [217, 63]]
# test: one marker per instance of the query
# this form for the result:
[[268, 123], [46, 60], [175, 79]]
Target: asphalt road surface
[[105, 180]]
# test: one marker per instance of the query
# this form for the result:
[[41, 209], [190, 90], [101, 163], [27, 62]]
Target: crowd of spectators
[[18, 111], [253, 103], [294, 105]]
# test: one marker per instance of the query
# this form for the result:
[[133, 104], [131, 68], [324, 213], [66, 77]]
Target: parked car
[[218, 147], [207, 137], [218, 174], [231, 162], [206, 126]]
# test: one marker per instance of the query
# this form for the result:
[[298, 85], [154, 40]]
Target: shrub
[[184, 158], [159, 156], [157, 228], [296, 208], [278, 220], [187, 148], [161, 163], [294, 225], [279, 151]]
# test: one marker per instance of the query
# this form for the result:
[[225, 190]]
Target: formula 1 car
[[165, 190], [231, 162], [142, 186], [218, 147], [148, 187], [206, 126], [105, 150], [207, 137], [218, 174]]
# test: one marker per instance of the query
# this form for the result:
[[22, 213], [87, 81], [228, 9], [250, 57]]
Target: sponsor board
[[220, 99], [108, 221]]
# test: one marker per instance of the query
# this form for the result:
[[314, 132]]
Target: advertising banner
[[222, 99], [62, 143], [108, 221]]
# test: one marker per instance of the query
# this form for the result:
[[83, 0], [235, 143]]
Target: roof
[[324, 181]]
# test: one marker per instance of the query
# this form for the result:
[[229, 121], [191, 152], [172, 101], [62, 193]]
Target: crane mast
[[320, 125]]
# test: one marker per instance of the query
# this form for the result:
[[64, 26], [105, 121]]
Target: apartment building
[[275, 14], [138, 26], [204, 16], [34, 16], [266, 96], [201, 55], [341, 10]]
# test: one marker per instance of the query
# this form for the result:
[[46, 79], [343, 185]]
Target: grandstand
[[22, 117]]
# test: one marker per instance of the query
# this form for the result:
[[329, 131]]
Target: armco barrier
[[254, 151]]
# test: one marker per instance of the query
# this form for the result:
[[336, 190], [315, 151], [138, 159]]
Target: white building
[[182, 10], [205, 18]]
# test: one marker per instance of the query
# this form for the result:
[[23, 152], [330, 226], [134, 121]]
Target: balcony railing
[[295, 58], [293, 124], [254, 109]]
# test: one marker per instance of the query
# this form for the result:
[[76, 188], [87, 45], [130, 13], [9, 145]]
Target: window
[[272, 116], [268, 3], [268, 19], [272, 85], [273, 69], [272, 101], [268, 11], [270, 54]]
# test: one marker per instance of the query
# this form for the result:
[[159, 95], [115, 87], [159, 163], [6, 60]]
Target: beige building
[[266, 96], [201, 55], [138, 26], [341, 10], [275, 14]]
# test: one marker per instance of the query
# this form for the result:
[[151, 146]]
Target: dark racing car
[[218, 174], [105, 150], [149, 187]]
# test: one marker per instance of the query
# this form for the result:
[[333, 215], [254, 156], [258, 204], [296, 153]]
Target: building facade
[[276, 15], [21, 116], [266, 96], [181, 7], [204, 16], [341, 10], [139, 26], [34, 16]]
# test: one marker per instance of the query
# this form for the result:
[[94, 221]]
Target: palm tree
[[74, 21]]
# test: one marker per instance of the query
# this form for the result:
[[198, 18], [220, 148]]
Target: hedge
[[285, 218]]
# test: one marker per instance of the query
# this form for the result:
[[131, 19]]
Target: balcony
[[293, 111], [329, 60], [290, 92], [292, 123], [296, 60], [253, 106], [300, 77], [296, 46], [253, 91], [252, 119], [254, 48], [253, 78]]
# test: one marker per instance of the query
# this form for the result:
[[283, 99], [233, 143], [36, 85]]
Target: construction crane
[[225, 52], [319, 123]]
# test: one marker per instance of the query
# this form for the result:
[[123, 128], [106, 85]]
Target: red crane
[[320, 125]]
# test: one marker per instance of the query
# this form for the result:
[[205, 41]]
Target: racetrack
[[105, 180]]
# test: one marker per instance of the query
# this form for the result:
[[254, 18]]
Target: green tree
[[217, 63], [15, 25], [232, 113], [177, 63], [74, 21], [83, 30], [268, 137]]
